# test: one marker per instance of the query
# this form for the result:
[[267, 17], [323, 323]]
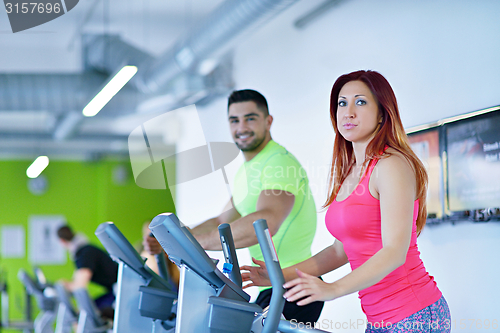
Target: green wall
[[87, 195]]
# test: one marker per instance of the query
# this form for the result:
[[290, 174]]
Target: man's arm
[[272, 205], [228, 215], [81, 279]]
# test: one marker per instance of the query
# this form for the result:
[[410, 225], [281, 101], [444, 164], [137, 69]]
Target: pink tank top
[[356, 222]]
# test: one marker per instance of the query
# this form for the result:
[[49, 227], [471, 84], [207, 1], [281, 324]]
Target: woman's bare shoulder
[[395, 163]]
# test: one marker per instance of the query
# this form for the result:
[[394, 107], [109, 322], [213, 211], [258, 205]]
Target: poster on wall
[[13, 241], [474, 163], [426, 146], [43, 245]]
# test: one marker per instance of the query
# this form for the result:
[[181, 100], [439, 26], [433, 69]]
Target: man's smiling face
[[248, 124]]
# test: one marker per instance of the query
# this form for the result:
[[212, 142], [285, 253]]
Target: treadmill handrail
[[64, 297], [29, 283], [275, 275], [229, 250], [273, 320]]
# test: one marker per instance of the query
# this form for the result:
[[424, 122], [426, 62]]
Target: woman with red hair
[[376, 210]]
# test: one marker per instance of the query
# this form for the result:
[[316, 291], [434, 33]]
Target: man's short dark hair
[[65, 233], [248, 95]]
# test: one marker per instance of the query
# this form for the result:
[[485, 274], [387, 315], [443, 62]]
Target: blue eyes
[[343, 103]]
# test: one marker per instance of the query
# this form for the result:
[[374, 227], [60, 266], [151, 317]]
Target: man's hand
[[151, 245], [256, 275]]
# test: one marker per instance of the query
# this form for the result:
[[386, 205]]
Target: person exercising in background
[[278, 191], [92, 265]]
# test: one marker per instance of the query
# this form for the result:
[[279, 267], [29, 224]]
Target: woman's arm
[[395, 184], [321, 263]]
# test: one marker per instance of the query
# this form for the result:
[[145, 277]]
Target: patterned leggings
[[433, 319]]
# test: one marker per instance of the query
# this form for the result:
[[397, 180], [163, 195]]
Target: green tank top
[[274, 168]]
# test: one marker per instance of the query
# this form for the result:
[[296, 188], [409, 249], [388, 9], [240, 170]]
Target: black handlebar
[[226, 240]]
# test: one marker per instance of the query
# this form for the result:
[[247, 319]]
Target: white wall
[[441, 58]]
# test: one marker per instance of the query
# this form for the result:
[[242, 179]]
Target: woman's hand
[[257, 275], [309, 289]]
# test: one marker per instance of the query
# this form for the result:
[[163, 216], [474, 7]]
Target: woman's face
[[358, 115]]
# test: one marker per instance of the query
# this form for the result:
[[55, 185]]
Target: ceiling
[[48, 73]]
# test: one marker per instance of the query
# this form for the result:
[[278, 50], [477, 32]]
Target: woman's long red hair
[[391, 133]]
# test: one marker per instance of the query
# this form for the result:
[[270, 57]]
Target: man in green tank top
[[270, 185]]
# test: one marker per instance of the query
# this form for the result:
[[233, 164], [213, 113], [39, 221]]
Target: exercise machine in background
[[144, 300], [26, 324]]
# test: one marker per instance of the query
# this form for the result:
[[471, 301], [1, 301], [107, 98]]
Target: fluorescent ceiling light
[[38, 165], [111, 89]]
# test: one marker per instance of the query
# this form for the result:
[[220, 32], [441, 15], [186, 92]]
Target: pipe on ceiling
[[211, 38]]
